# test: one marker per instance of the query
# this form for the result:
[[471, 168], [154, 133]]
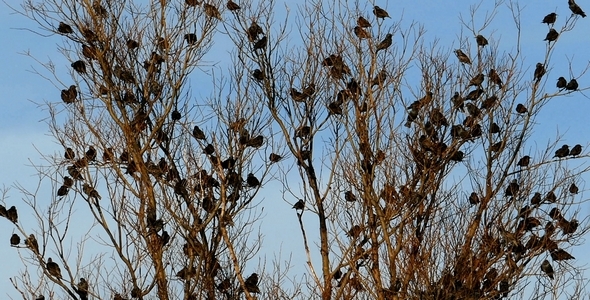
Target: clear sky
[[22, 130]]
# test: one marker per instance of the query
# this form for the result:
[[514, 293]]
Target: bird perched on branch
[[361, 33], [493, 77], [362, 22], [53, 268], [539, 72], [251, 283], [380, 12], [547, 268], [14, 240], [561, 83], [231, 6], [576, 150], [64, 28], [385, 43], [481, 40], [562, 152], [212, 11], [550, 18], [69, 96], [299, 205], [572, 85], [575, 8], [463, 58], [552, 35]]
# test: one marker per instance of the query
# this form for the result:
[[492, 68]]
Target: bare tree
[[414, 158]]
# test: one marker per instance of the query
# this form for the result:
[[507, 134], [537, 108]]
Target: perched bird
[[254, 31], [252, 181], [570, 227], [536, 199], [539, 71], [552, 35], [576, 150], [62, 191], [572, 85], [64, 28], [385, 43], [458, 101], [354, 231], [273, 157], [573, 188], [212, 11], [524, 161], [361, 33], [190, 38], [53, 268], [251, 283], [79, 66], [560, 254], [89, 52], [380, 12], [31, 243], [562, 152], [260, 44], [489, 102], [481, 40], [299, 205], [82, 289], [521, 109], [12, 214], [14, 240], [493, 77], [362, 22], [550, 18], [474, 198], [474, 95], [69, 153], [463, 58], [258, 75], [477, 80], [209, 149], [69, 95], [191, 3], [551, 197], [349, 196], [555, 213], [256, 142], [513, 188], [90, 191], [547, 268], [198, 133], [231, 6], [132, 44], [561, 83], [379, 78], [90, 154], [494, 128], [575, 8]]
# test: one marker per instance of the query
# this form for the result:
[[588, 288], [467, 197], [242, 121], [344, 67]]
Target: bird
[[572, 85], [190, 38], [90, 191], [576, 150], [536, 199], [132, 44], [212, 11], [493, 77], [53, 268], [489, 102], [552, 35], [362, 22], [260, 44], [474, 198], [573, 188], [254, 31], [562, 152], [481, 40], [90, 155], [14, 240], [354, 231], [273, 157], [474, 95], [463, 58], [539, 71], [82, 289], [251, 283], [299, 205], [512, 188], [561, 83], [31, 243], [550, 18], [192, 2], [256, 142], [64, 28], [380, 12], [385, 43], [198, 133], [524, 161], [62, 191], [458, 101], [547, 268], [477, 80], [494, 128], [379, 78], [252, 181], [89, 52], [69, 95], [40, 297], [555, 213], [551, 197], [570, 227], [349, 196], [560, 254], [232, 6], [79, 66], [69, 154], [361, 33], [575, 8], [521, 109], [258, 75], [12, 214]]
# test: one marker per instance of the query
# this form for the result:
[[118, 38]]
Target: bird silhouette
[[79, 66], [273, 157], [463, 58], [473, 198], [11, 214], [258, 75], [539, 71], [64, 28], [493, 77], [552, 35], [69, 95], [474, 95], [191, 3], [260, 44], [254, 31], [380, 78], [90, 191], [573, 188], [481, 40], [362, 22], [299, 205], [494, 128], [198, 133], [570, 227], [82, 289], [380, 13], [550, 18], [524, 161], [251, 283], [190, 38], [562, 152], [14, 240], [547, 268], [458, 101], [132, 44], [512, 189], [385, 43], [536, 199], [476, 80], [53, 268], [31, 243], [560, 254], [521, 109], [89, 52], [575, 8], [252, 181], [90, 154], [551, 197], [561, 83], [62, 191], [349, 196], [361, 33], [576, 150], [232, 6], [572, 85], [489, 102], [212, 11]]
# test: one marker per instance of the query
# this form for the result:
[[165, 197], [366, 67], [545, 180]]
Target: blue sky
[[22, 130]]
